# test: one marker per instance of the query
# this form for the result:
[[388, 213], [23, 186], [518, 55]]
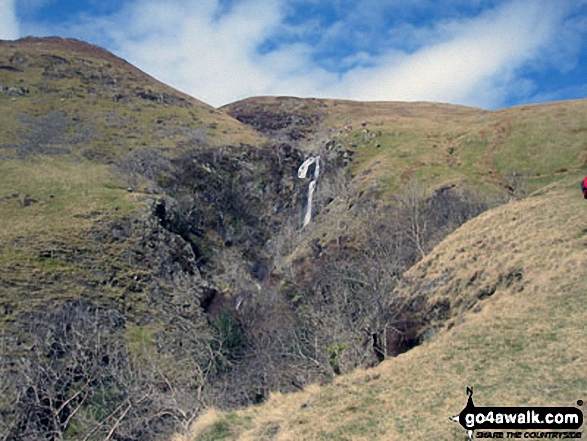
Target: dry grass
[[524, 345]]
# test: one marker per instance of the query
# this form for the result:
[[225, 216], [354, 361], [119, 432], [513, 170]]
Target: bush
[[229, 337]]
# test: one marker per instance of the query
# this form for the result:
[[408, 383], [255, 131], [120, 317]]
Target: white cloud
[[185, 45], [9, 29], [475, 61], [476, 66]]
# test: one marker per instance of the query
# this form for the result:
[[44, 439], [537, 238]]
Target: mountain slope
[[521, 342], [79, 126], [152, 260], [103, 293], [391, 142], [99, 102], [387, 146]]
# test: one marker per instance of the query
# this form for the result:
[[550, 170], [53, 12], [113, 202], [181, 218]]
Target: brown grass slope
[[522, 344]]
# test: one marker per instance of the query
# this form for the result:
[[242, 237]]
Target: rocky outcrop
[[283, 118]]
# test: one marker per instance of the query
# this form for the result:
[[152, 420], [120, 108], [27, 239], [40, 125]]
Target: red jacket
[[584, 187]]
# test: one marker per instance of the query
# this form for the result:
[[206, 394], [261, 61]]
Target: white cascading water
[[302, 174]]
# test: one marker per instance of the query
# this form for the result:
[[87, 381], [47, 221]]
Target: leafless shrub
[[278, 352], [149, 164], [516, 181], [73, 376], [411, 215]]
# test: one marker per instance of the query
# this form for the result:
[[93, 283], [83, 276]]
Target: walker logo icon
[[499, 418], [470, 405]]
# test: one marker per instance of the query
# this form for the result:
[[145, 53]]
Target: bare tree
[[516, 181], [411, 215]]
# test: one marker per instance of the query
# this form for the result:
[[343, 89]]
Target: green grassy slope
[[439, 143], [102, 104]]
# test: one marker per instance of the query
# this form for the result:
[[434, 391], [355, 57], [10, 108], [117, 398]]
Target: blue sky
[[483, 53]]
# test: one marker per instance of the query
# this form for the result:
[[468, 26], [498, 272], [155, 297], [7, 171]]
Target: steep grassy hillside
[[515, 282], [79, 97], [70, 111]]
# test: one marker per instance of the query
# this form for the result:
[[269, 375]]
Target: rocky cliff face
[[142, 307], [283, 118]]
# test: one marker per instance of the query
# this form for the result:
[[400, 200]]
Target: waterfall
[[305, 171]]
